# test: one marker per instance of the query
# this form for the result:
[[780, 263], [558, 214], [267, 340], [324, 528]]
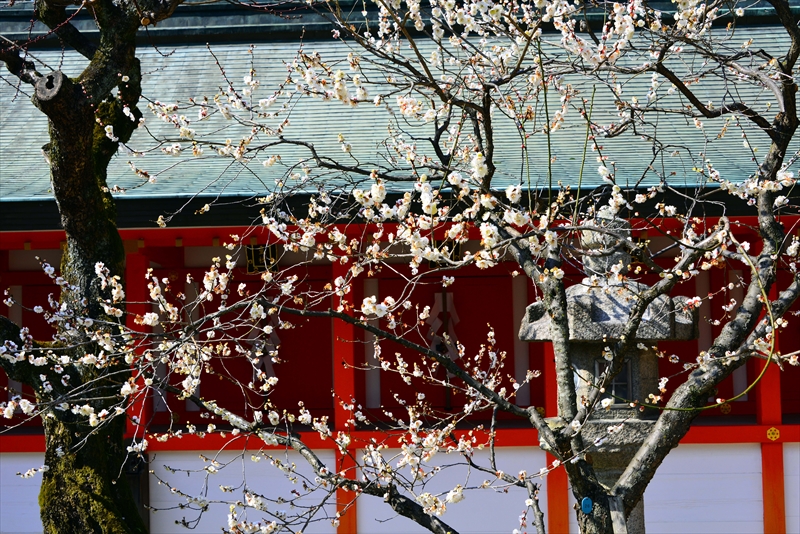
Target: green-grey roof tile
[[174, 74]]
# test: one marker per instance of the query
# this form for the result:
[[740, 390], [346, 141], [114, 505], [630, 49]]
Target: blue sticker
[[586, 505]]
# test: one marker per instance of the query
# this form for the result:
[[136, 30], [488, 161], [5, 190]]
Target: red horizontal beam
[[741, 434], [226, 440], [46, 239], [203, 236], [506, 437], [21, 443], [199, 236]]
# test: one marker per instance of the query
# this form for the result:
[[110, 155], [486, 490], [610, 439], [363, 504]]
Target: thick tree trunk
[[86, 490], [598, 521]]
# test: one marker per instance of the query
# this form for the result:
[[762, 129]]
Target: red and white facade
[[737, 470]]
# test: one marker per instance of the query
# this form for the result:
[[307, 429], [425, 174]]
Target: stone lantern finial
[[604, 250]]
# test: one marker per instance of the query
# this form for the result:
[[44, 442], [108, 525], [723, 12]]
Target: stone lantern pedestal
[[598, 310]]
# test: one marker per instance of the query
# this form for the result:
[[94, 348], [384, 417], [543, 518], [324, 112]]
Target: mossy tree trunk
[[84, 488]]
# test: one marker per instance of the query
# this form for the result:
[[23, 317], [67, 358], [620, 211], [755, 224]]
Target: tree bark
[[84, 488]]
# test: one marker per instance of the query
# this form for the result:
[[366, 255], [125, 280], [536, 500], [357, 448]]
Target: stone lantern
[[598, 310]]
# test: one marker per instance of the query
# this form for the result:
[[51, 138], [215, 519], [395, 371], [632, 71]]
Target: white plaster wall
[[19, 497], [791, 484], [261, 477], [707, 488], [699, 488], [483, 511], [704, 488]]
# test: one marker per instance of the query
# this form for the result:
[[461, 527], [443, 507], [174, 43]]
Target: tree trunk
[[86, 490]]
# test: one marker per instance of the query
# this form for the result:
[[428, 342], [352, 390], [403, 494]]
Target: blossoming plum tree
[[453, 81]]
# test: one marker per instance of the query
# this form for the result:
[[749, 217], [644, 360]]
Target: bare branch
[[735, 107], [54, 15], [18, 65]]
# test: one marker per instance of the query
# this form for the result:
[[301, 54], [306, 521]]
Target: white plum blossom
[[514, 193], [605, 174], [257, 312], [109, 129], [371, 306], [489, 235], [455, 495], [128, 389], [479, 167], [150, 319], [26, 406]]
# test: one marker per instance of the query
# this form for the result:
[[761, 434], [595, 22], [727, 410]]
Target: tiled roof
[[176, 73]]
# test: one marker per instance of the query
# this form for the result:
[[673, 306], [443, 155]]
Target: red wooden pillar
[[344, 386], [346, 500], [557, 482], [772, 482], [768, 412], [136, 265]]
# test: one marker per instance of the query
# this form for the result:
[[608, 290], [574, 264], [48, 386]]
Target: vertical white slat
[[240, 471], [519, 301], [740, 382], [15, 315], [192, 291], [492, 510], [373, 375], [709, 488]]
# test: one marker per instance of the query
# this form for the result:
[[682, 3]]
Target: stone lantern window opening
[[619, 389]]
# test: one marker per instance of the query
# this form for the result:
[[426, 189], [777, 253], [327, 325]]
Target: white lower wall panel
[[239, 472], [791, 484], [704, 488], [698, 488], [707, 488], [19, 497], [483, 511]]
